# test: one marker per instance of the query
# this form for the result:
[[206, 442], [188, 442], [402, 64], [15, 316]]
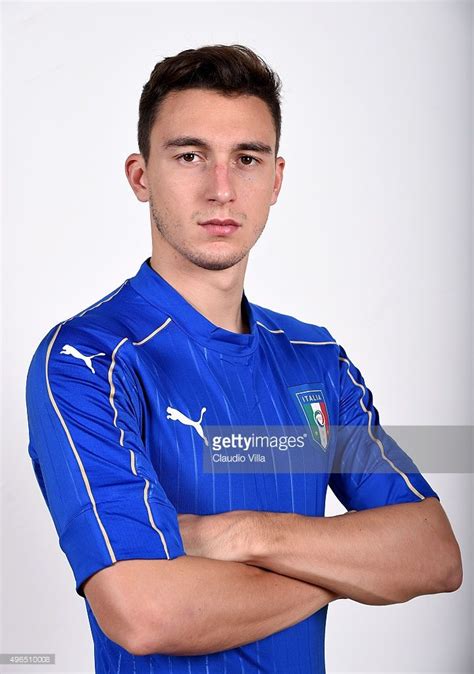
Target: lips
[[216, 221], [220, 227]]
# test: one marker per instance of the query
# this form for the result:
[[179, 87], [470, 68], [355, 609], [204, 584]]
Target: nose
[[220, 187]]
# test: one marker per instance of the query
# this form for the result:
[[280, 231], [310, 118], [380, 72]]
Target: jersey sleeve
[[369, 469], [89, 458]]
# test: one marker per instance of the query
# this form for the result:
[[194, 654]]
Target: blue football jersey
[[124, 404]]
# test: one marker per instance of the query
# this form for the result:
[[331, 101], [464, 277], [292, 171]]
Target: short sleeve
[[89, 458], [369, 469]]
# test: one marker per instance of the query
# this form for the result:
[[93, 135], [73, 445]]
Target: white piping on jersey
[[152, 521], [299, 341], [66, 429], [132, 453], [73, 447], [98, 303], [279, 330], [269, 330], [293, 341], [132, 462], [371, 435], [368, 412], [152, 334], [112, 387], [76, 453]]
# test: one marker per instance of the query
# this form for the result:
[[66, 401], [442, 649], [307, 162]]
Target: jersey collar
[[156, 290]]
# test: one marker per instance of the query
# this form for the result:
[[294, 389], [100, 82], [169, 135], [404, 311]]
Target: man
[[185, 567]]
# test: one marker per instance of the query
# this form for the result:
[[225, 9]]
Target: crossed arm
[[382, 555], [193, 605], [216, 597]]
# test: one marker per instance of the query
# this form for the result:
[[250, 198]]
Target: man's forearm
[[200, 606], [377, 556]]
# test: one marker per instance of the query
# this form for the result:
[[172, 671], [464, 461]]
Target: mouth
[[220, 227]]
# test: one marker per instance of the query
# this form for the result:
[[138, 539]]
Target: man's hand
[[227, 536]]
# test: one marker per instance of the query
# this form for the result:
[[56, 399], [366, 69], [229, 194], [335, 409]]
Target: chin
[[215, 265], [216, 262]]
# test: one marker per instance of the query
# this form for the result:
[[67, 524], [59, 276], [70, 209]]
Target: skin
[[348, 554], [213, 182], [194, 605]]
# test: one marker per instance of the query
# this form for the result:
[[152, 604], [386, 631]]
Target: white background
[[371, 238]]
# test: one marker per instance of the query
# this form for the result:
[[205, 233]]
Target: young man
[[233, 569]]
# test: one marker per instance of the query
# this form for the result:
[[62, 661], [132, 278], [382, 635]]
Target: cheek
[[253, 185], [186, 189], [173, 193], [256, 196], [168, 180], [258, 184]]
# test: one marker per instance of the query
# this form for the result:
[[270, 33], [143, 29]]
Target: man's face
[[211, 157]]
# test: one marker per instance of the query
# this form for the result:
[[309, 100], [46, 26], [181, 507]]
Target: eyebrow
[[186, 141]]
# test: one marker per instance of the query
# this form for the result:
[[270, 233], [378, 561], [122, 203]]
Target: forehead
[[214, 116]]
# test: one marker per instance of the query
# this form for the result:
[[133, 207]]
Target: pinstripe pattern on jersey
[[180, 358], [74, 449], [132, 453], [114, 409], [377, 441]]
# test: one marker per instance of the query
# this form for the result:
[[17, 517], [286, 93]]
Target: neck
[[217, 295]]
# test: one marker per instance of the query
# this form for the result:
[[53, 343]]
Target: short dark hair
[[228, 69]]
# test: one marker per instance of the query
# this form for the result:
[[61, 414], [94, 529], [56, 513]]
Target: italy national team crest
[[315, 410]]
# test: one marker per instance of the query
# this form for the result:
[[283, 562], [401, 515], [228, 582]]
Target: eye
[[248, 157], [187, 157]]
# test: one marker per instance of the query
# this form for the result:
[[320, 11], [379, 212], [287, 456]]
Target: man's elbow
[[454, 573], [140, 633], [139, 645], [149, 638], [137, 605], [446, 553], [448, 576], [151, 606], [173, 633]]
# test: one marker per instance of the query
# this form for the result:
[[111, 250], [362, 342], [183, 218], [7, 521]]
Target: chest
[[254, 432]]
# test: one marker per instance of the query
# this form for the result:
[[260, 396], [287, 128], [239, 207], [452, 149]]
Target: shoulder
[[99, 329], [295, 330]]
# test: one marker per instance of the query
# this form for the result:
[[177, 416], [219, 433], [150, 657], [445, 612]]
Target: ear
[[279, 167], [136, 173]]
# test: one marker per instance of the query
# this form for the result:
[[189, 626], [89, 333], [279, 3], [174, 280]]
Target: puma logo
[[72, 351], [176, 415]]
